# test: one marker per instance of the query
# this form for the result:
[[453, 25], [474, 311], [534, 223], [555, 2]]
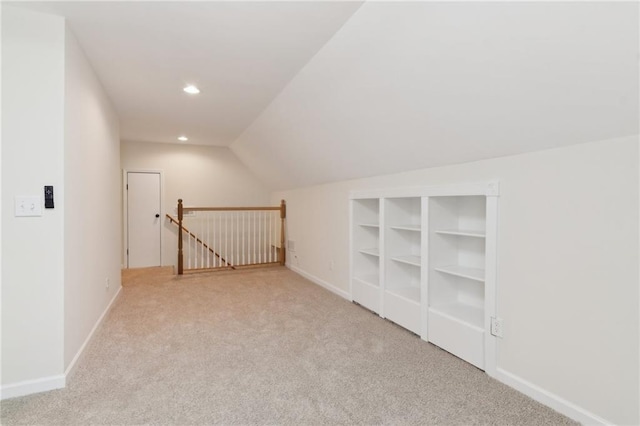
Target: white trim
[[424, 266], [32, 386], [125, 206], [125, 225], [549, 399], [45, 384], [488, 189], [535, 392], [351, 227], [320, 282], [382, 268], [74, 362], [491, 284]]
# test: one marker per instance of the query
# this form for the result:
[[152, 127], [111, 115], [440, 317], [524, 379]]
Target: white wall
[[200, 175], [92, 215], [567, 265], [32, 156]]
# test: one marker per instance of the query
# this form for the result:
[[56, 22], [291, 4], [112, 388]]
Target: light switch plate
[[28, 205]]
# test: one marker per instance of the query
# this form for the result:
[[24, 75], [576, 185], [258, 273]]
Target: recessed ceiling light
[[183, 138], [191, 89]]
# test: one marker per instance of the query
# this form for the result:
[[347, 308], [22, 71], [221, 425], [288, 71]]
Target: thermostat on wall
[[48, 197]]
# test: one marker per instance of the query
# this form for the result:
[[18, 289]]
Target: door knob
[[157, 215]]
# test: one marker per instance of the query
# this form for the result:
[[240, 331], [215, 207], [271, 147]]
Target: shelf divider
[[369, 225], [476, 274], [409, 260], [414, 228], [371, 251], [461, 233]]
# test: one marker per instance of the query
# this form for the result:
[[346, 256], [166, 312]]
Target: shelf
[[462, 233], [369, 225], [408, 292], [370, 251], [414, 228], [470, 315], [370, 279], [409, 260], [475, 274]]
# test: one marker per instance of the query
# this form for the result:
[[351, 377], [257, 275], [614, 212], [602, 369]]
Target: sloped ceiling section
[[405, 86]]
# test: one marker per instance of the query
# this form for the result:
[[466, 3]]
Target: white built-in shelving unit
[[365, 253], [425, 258], [403, 261], [457, 261]]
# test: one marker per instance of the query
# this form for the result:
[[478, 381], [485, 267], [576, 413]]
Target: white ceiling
[[405, 86], [240, 54], [313, 92]]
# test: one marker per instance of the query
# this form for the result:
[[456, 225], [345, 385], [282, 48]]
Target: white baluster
[[243, 235], [226, 239], [189, 248], [253, 236], [233, 240], [270, 234]]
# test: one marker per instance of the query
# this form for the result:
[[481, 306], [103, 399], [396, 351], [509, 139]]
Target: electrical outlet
[[106, 283], [331, 265], [496, 326], [291, 245]]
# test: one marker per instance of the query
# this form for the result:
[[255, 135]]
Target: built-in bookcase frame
[[425, 258]]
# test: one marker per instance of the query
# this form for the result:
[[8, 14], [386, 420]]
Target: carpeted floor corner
[[264, 347]]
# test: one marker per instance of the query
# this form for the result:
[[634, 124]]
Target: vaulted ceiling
[[311, 92], [411, 85], [240, 55]]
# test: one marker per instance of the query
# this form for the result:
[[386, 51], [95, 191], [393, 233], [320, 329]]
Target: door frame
[[125, 218]]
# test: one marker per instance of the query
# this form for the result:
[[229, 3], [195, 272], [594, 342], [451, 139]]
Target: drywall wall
[[92, 214], [434, 83], [567, 280], [32, 156], [200, 175]]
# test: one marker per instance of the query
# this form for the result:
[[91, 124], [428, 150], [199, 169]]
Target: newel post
[[180, 256], [283, 215]]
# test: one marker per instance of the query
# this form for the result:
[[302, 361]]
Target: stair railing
[[212, 238], [199, 241]]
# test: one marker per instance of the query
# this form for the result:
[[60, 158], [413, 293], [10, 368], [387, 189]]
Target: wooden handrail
[[281, 252], [228, 209], [176, 221]]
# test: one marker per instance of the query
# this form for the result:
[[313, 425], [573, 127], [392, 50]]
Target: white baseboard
[[320, 282], [33, 386], [44, 384], [74, 362], [549, 399], [535, 392]]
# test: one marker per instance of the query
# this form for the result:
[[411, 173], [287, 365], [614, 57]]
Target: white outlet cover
[[497, 327], [28, 205]]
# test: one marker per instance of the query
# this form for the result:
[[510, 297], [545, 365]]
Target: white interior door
[[143, 219]]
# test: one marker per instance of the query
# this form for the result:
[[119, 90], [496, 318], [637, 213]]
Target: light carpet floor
[[264, 347]]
